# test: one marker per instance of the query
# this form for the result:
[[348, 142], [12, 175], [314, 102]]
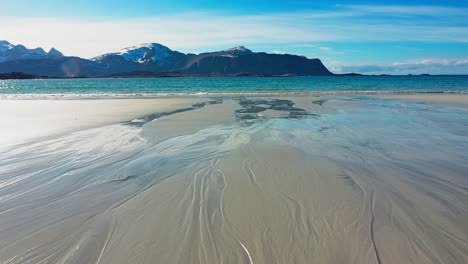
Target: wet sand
[[23, 120], [245, 180], [439, 98]]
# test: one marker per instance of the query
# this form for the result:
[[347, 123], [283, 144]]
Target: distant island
[[138, 74], [154, 60], [20, 76]]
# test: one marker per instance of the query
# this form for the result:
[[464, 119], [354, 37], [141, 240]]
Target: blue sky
[[365, 36]]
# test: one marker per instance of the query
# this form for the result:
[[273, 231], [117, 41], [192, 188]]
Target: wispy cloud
[[304, 45], [328, 51], [424, 65], [325, 49], [426, 10], [203, 31], [187, 32]]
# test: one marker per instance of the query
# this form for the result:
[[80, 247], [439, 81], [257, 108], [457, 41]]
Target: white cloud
[[426, 10], [194, 31], [419, 66], [197, 32], [304, 45], [325, 49]]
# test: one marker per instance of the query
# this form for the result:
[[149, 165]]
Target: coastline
[[233, 94], [37, 115], [144, 74]]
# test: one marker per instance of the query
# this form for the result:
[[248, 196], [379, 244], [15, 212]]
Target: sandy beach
[[332, 179], [42, 118]]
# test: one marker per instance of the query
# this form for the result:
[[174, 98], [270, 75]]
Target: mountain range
[[153, 59]]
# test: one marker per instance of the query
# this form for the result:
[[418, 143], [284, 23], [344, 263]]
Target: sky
[[372, 37]]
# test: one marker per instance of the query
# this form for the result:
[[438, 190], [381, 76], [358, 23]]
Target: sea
[[207, 86]]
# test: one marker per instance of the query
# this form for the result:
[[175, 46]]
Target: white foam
[[79, 96]]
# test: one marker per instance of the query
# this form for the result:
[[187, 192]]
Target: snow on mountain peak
[[237, 51], [10, 52], [238, 48], [146, 52], [5, 45]]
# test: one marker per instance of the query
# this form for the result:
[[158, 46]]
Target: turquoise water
[[227, 85]]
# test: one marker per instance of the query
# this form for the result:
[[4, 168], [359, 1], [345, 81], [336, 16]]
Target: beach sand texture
[[242, 180]]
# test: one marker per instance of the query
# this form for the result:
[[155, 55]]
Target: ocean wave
[[71, 96]]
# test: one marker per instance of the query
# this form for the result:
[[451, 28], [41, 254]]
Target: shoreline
[[234, 94], [44, 118]]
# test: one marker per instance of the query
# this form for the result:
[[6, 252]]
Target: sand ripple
[[357, 180]]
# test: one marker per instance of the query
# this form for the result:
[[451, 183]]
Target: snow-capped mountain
[[144, 53], [10, 52], [153, 58], [232, 52], [238, 51]]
